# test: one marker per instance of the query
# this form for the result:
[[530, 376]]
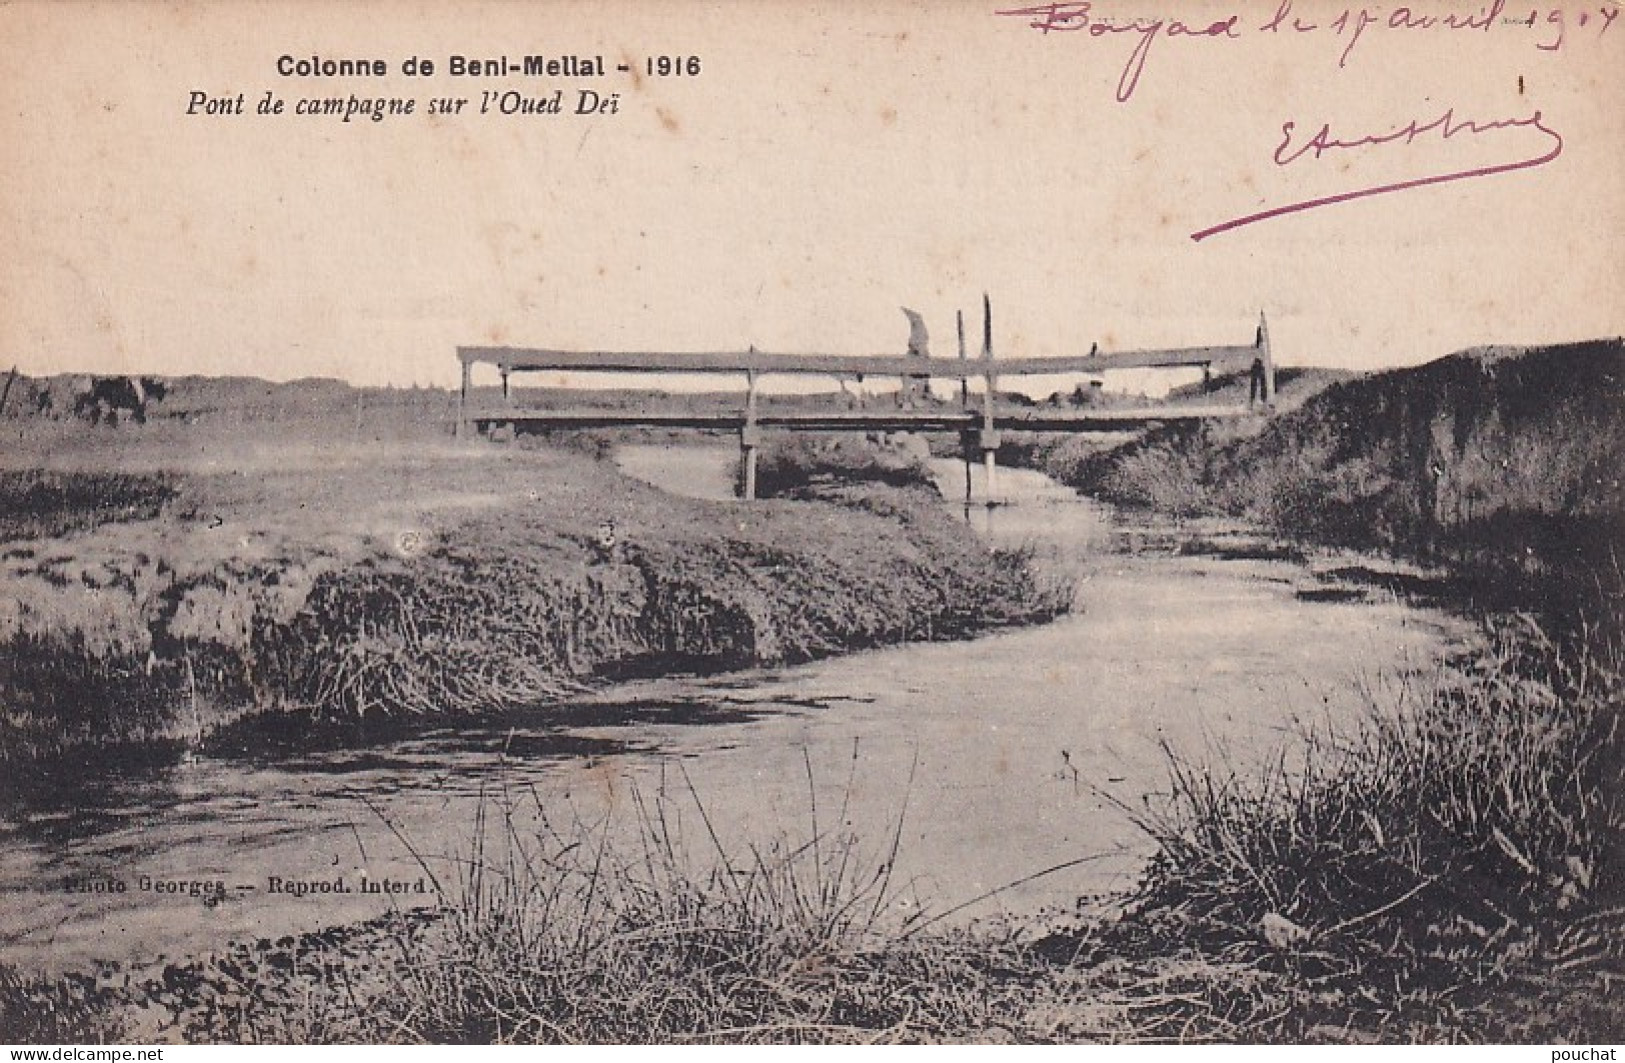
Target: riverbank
[[1500, 465], [802, 935], [245, 580], [1445, 869], [1415, 880], [1468, 852]]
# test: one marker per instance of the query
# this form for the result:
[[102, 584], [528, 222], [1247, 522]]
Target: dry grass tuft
[[1438, 875]]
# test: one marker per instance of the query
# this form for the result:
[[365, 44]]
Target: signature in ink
[[1292, 150]]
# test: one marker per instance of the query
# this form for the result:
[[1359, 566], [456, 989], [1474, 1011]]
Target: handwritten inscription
[[1447, 126], [1500, 15], [1529, 141], [1351, 25]]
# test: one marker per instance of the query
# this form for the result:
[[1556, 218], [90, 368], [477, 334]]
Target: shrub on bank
[[806, 466]]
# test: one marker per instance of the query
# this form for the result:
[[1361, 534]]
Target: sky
[[827, 165]]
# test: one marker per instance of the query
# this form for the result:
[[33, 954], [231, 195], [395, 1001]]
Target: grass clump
[[571, 930], [73, 1007], [443, 636], [1453, 871], [639, 925], [40, 504]]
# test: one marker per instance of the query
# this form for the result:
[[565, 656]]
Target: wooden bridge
[[980, 424]]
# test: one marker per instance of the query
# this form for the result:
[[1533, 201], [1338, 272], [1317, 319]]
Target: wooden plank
[[964, 400], [610, 418], [1046, 420], [945, 419], [525, 359]]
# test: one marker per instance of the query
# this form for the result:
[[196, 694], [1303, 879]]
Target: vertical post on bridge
[[750, 435], [990, 435], [510, 431], [964, 403], [462, 399], [1269, 361]]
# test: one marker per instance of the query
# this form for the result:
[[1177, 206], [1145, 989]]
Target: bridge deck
[[534, 359], [939, 420]]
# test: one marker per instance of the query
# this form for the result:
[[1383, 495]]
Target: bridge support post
[[507, 391], [965, 440], [989, 441], [989, 434], [1269, 361], [750, 437], [462, 401]]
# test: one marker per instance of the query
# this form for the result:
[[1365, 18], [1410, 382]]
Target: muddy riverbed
[[999, 757]]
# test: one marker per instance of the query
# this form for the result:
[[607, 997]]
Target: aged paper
[[941, 148], [283, 190]]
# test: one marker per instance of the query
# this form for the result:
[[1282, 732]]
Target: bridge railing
[[534, 359]]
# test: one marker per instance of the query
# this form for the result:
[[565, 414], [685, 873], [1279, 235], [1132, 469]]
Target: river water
[[990, 760]]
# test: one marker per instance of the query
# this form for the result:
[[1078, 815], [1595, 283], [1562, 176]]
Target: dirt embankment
[[378, 570], [1502, 464]]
